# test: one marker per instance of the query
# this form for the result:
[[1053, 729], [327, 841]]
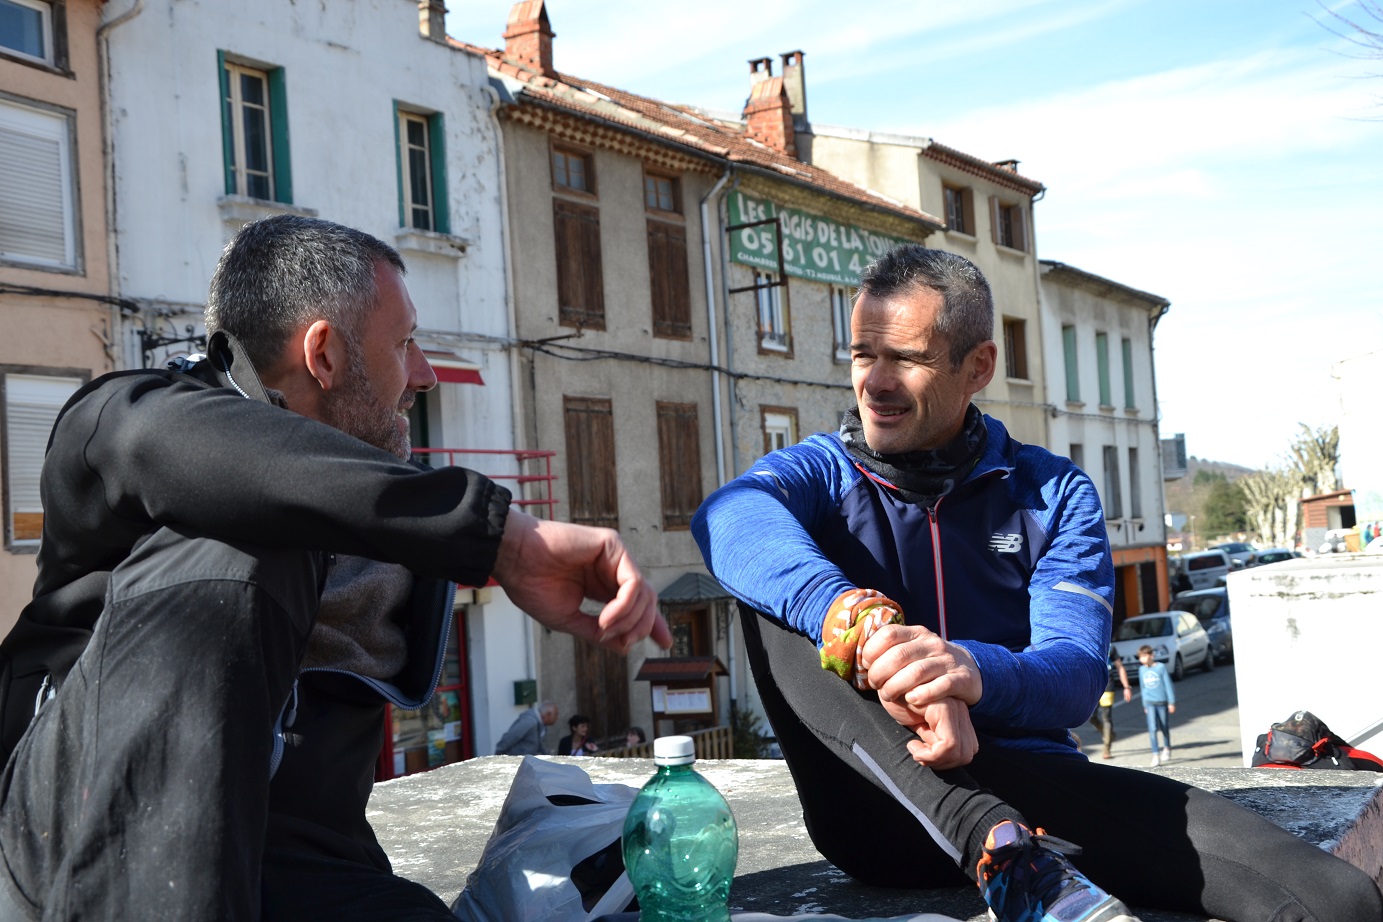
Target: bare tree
[[1316, 456], [1270, 500], [1365, 31]]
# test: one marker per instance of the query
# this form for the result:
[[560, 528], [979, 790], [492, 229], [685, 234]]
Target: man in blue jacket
[[960, 583]]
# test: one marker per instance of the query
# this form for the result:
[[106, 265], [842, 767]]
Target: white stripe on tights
[[912, 808]]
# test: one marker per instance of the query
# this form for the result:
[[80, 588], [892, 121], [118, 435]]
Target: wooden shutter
[[591, 485], [671, 287], [1020, 228], [967, 207], [994, 218], [679, 457], [580, 283]]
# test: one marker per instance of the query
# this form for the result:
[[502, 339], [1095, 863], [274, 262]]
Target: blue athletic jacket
[[1014, 565]]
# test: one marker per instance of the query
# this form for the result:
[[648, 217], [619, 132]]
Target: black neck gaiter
[[920, 476]]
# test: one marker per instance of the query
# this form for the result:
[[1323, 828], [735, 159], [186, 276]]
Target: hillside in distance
[[1186, 496]]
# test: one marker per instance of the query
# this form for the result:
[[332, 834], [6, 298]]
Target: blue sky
[[1224, 154]]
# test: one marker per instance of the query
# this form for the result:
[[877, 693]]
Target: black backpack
[[1304, 741]]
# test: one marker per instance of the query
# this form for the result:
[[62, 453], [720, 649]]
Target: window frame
[[276, 142], [8, 460], [587, 159], [52, 25], [771, 312], [61, 129], [434, 149], [674, 193], [1015, 349], [842, 308], [1008, 225], [958, 206], [679, 462], [790, 431]]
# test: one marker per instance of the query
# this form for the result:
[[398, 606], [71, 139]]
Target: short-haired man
[[239, 570], [961, 583], [525, 735]]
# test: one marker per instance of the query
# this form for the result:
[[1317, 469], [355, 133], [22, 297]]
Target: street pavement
[[1205, 727]]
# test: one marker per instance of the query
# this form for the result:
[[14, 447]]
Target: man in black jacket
[[229, 593]]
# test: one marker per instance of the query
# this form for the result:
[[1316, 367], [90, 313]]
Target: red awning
[[453, 375], [451, 367]]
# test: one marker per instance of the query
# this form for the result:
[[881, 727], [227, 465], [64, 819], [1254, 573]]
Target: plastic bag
[[555, 852]]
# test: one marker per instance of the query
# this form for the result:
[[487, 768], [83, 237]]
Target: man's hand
[[549, 568], [927, 685], [914, 667], [945, 736]]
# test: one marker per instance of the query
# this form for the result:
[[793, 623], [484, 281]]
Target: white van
[[1206, 569]]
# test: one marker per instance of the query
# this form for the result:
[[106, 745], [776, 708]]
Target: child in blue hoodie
[[1159, 700]]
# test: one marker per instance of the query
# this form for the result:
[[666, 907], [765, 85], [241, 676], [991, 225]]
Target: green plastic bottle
[[680, 841]]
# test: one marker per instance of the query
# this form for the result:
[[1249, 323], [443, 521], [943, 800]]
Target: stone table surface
[[434, 826]]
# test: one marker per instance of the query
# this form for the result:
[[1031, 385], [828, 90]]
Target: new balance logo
[[1006, 544]]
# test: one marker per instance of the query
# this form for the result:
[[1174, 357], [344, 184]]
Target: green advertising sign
[[814, 248]]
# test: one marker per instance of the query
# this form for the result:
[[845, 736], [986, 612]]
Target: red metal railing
[[530, 472]]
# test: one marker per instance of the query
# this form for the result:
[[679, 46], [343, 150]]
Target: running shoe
[[1025, 877]]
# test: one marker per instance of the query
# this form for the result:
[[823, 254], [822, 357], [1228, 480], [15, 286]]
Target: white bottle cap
[[674, 750]]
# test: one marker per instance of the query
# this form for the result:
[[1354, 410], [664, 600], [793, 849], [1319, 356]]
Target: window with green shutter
[[254, 131], [422, 170]]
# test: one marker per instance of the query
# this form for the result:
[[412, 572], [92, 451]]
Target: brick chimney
[[768, 113], [795, 82], [432, 18], [528, 39]]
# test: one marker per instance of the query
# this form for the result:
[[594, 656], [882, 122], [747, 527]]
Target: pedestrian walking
[[1159, 700]]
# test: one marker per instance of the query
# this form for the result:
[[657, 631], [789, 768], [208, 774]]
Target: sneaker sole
[[1116, 913]]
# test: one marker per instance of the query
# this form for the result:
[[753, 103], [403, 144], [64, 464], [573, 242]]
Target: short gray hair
[[282, 273], [967, 304]]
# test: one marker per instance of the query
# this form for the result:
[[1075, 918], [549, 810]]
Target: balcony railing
[[529, 471]]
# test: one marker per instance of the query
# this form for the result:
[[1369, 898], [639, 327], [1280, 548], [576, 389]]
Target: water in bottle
[[680, 841]]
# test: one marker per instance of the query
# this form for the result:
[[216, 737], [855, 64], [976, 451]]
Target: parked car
[[1271, 555], [1177, 639], [1239, 552], [1211, 608], [1206, 568]]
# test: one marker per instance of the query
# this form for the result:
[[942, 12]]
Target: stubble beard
[[356, 410]]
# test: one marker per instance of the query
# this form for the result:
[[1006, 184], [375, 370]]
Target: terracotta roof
[[992, 171], [694, 131]]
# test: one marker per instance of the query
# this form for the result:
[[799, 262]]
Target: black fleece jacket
[[206, 449]]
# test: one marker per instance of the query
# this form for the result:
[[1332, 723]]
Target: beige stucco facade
[[901, 167], [620, 363], [55, 325]]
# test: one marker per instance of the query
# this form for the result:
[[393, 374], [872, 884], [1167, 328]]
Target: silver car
[[1176, 637]]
